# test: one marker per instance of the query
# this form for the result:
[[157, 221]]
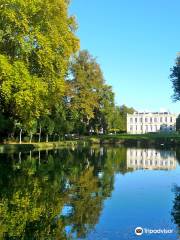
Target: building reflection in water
[[151, 159]]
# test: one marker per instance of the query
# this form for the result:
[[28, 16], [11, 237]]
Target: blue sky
[[135, 42]]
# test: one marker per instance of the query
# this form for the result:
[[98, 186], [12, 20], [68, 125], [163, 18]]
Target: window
[[131, 120], [141, 119], [165, 119], [136, 120], [131, 128], [151, 120], [171, 119], [161, 119], [155, 119], [146, 119]]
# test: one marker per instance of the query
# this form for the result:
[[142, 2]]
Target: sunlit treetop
[[38, 32]]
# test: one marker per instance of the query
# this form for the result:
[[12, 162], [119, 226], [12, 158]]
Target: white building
[[143, 122], [151, 159]]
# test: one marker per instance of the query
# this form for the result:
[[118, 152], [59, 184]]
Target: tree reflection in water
[[56, 194], [176, 207], [176, 204]]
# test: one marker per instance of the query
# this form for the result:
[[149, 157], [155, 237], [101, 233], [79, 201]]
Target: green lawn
[[147, 136]]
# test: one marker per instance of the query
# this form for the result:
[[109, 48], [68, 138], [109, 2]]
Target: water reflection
[[38, 186], [176, 207], [151, 159], [60, 194]]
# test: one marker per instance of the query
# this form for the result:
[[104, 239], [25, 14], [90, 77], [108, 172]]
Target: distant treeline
[[48, 86]]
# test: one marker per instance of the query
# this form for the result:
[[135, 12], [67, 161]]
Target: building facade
[[144, 122]]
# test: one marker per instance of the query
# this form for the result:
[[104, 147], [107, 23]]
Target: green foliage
[[85, 85], [36, 42], [104, 113], [91, 101], [45, 86], [178, 123], [21, 91], [176, 207], [175, 79], [119, 118], [5, 125]]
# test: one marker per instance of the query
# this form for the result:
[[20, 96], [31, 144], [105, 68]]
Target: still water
[[90, 193]]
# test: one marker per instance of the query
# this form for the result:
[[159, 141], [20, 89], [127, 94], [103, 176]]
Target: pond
[[90, 193]]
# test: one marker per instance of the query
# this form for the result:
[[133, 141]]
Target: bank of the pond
[[144, 140], [40, 146], [149, 139]]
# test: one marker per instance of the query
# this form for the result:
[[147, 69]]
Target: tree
[[176, 207], [48, 125], [124, 110], [90, 99], [175, 79], [6, 124], [178, 123], [119, 118], [87, 79], [104, 112], [36, 42]]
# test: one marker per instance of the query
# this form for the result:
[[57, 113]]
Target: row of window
[[151, 119], [150, 128], [138, 153], [151, 162], [146, 128]]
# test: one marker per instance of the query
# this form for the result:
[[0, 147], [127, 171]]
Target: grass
[[170, 139], [147, 136]]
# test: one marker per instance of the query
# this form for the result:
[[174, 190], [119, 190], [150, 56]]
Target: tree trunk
[[59, 137], [12, 136], [39, 157], [31, 135], [19, 157], [40, 134], [20, 136], [54, 137], [47, 138]]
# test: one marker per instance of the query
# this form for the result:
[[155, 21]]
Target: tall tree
[[104, 112], [87, 78], [175, 79], [176, 207], [90, 99], [36, 42], [178, 123]]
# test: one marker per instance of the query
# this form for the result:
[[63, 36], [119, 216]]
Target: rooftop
[[163, 113]]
